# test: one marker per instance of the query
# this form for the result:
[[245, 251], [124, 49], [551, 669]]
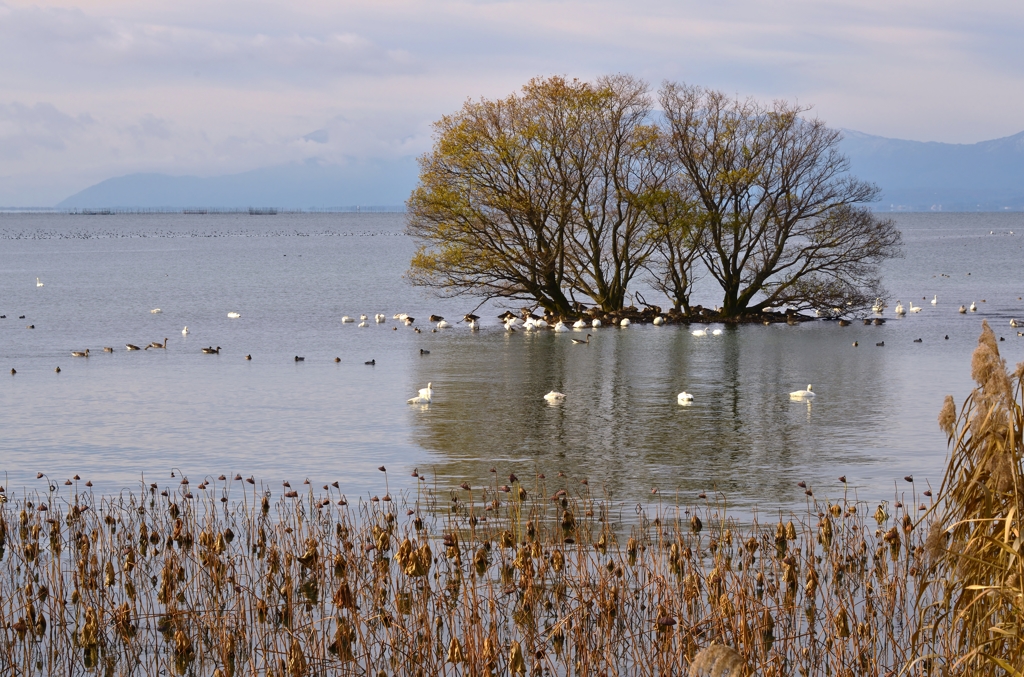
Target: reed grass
[[542, 577]]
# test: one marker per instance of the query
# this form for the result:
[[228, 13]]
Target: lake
[[117, 418]]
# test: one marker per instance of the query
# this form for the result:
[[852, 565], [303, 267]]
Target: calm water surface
[[114, 418]]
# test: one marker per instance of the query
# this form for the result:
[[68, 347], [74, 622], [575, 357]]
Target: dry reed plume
[[532, 578], [976, 567]]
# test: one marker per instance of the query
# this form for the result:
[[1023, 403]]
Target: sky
[[101, 88]]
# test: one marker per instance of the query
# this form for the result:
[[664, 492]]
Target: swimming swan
[[658, 321], [234, 316], [914, 309], [935, 299], [625, 322], [579, 324], [716, 332], [973, 307], [802, 394], [899, 308], [554, 397], [560, 326], [699, 332], [346, 319], [595, 324], [684, 398], [424, 397], [443, 324], [184, 332], [156, 311], [38, 283]]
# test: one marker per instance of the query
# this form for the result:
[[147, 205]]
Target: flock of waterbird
[[530, 322]]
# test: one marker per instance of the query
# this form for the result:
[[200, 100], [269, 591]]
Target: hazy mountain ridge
[[913, 176], [921, 176]]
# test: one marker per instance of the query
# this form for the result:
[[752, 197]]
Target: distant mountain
[[913, 176], [293, 186], [922, 176]]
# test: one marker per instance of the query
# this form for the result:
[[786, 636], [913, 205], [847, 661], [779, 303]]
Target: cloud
[[192, 87]]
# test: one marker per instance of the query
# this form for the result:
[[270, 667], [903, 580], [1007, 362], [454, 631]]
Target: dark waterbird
[[211, 350], [424, 352], [581, 341], [371, 362], [880, 343], [300, 359]]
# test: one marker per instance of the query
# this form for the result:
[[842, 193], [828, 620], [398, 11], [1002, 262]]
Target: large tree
[[783, 221], [538, 195]]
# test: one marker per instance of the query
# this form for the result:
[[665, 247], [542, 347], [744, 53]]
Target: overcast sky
[[90, 90]]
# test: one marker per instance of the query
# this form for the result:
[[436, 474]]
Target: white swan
[[474, 325], [408, 321], [899, 308], [1014, 323], [540, 324], [156, 311], [935, 299], [625, 322], [38, 283], [364, 323], [346, 319], [560, 326], [699, 332], [234, 316], [684, 398], [424, 397], [716, 332], [443, 324], [400, 316], [363, 317], [554, 397], [579, 324], [596, 323], [658, 321], [914, 309], [530, 324], [184, 332], [379, 317], [514, 321], [509, 326], [973, 307], [802, 394], [879, 306]]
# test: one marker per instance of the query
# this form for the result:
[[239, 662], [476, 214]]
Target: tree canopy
[[567, 190]]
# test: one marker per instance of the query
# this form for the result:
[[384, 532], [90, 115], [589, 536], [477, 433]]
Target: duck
[[844, 323], [596, 323], [554, 397], [442, 324], [802, 394], [409, 321], [184, 332], [699, 332], [658, 321], [470, 317], [436, 318], [625, 322], [577, 341], [899, 308], [300, 359], [154, 344], [211, 350], [973, 308], [108, 349], [80, 353], [129, 346], [914, 309], [424, 352], [560, 327], [248, 357], [579, 324], [962, 309], [234, 316], [424, 397], [371, 362], [38, 282], [57, 370], [684, 398], [935, 299]]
